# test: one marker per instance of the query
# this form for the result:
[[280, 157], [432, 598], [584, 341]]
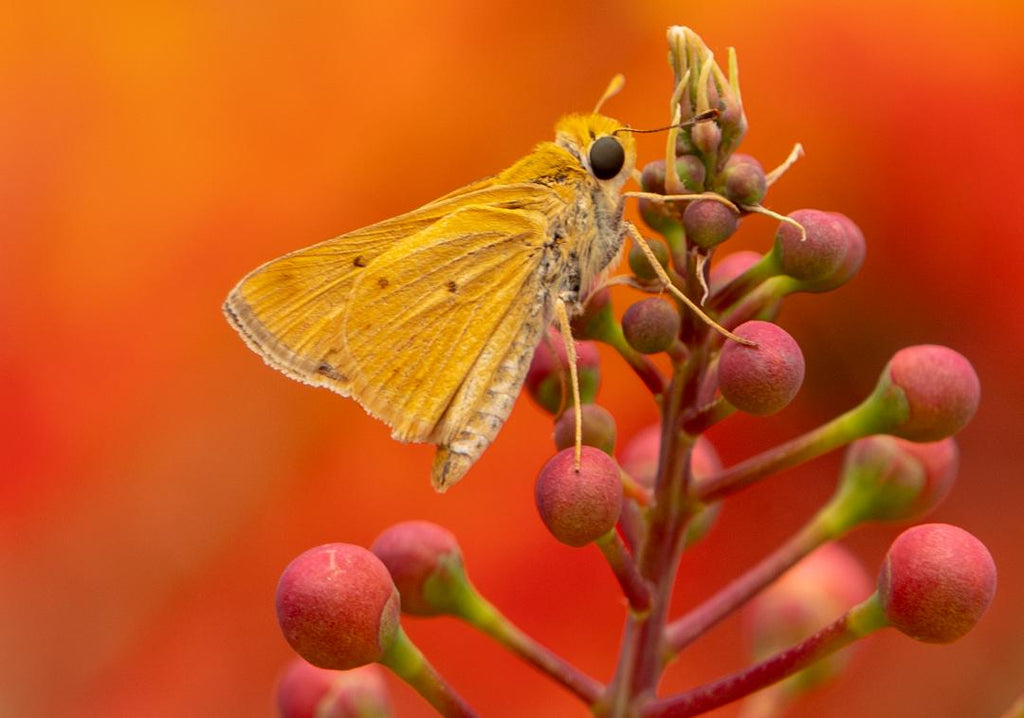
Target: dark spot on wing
[[330, 372], [382, 282], [359, 261], [452, 286]]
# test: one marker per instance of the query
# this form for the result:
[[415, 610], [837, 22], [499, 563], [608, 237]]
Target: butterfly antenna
[[614, 88]]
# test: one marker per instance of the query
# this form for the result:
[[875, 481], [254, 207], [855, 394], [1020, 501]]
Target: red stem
[[742, 683], [687, 629]]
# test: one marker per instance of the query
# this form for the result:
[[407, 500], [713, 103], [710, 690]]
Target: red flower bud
[[641, 266], [936, 582], [305, 691], [579, 506], [598, 429], [938, 387], [817, 256], [651, 325], [730, 267], [337, 606], [425, 563], [549, 373], [761, 380], [709, 223], [743, 180]]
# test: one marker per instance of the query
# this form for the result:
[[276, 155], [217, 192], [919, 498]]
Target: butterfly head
[[603, 146]]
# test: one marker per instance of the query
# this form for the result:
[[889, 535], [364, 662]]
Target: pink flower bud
[[805, 599], [598, 429], [761, 380], [853, 258], [704, 463], [579, 506], [658, 216], [706, 137], [936, 582], [888, 479], [936, 386], [709, 223], [596, 315], [821, 254], [940, 460], [651, 325], [730, 267], [641, 266], [337, 606], [305, 691], [425, 563], [549, 373], [639, 457], [742, 181], [301, 687], [689, 168], [652, 178]]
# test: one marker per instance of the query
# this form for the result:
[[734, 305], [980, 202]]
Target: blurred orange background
[[157, 476]]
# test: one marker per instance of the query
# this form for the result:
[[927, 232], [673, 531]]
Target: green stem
[[863, 420], [409, 664], [482, 615]]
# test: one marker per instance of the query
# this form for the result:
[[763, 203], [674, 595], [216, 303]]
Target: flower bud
[[890, 479], [639, 457], [579, 507], [707, 87], [730, 267], [691, 172], [936, 582], [549, 373], [708, 223], [594, 321], [651, 325], [816, 257], [658, 217], [598, 429], [940, 460], [305, 691], [641, 266], [803, 600], [853, 258], [652, 178], [762, 379], [932, 389], [337, 606], [706, 138], [425, 563], [704, 463], [742, 181]]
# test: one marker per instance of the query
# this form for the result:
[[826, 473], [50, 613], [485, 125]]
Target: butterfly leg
[[570, 350], [640, 242]]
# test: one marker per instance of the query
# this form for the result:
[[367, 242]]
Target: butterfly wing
[[431, 322], [290, 311]]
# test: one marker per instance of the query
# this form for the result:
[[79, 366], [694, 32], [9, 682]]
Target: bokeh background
[[156, 476]]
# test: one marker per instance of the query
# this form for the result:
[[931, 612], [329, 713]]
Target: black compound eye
[[606, 158]]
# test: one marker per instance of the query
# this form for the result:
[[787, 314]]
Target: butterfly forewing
[[434, 310], [290, 309]]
